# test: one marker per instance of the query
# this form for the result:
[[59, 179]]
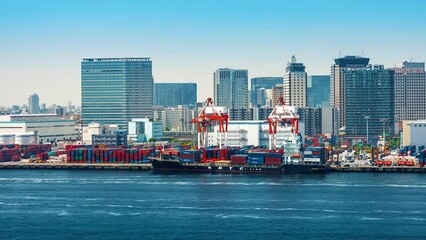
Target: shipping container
[[239, 159]]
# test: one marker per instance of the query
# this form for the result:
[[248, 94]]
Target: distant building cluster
[[357, 100]]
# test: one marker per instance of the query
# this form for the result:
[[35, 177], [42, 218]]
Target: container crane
[[284, 115], [209, 115]]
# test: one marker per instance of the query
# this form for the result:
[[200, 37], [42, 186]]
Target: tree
[[152, 140]]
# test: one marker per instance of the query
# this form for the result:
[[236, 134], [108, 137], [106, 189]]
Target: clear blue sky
[[43, 42]]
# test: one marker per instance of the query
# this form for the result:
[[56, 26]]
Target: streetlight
[[367, 118], [384, 120]]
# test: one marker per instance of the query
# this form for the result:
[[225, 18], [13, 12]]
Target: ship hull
[[175, 166]]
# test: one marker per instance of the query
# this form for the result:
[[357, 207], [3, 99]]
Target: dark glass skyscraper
[[174, 94], [262, 82], [318, 91], [337, 82], [369, 92], [115, 90]]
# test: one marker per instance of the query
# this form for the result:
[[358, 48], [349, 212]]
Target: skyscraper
[[295, 79], [174, 94], [276, 93], [410, 89], [260, 83], [116, 90], [337, 82], [318, 91], [369, 92], [230, 88], [33, 104]]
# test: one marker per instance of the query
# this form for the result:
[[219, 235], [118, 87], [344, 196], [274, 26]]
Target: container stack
[[256, 158], [108, 155], [315, 154], [273, 159], [8, 146], [43, 156], [422, 157], [34, 149], [190, 156], [12, 154], [239, 159]]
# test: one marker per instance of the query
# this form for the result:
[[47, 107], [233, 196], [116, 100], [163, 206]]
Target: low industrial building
[[241, 133], [414, 133], [143, 129], [178, 119], [49, 128]]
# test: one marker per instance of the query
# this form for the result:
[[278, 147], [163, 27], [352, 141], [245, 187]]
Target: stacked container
[[239, 159], [108, 155], [273, 159], [256, 158], [190, 156], [315, 154], [34, 149], [42, 156], [7, 155]]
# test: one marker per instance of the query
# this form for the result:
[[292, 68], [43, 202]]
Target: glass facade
[[318, 91], [265, 83], [369, 92], [115, 90], [174, 94], [33, 104], [230, 88]]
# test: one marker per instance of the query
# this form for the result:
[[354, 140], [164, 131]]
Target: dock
[[76, 166], [378, 169]]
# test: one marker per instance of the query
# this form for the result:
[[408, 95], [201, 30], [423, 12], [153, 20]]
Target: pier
[[378, 169], [76, 166]]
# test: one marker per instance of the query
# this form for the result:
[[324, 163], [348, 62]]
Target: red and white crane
[[208, 116], [284, 115]]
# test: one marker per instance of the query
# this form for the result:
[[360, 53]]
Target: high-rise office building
[[337, 82], [410, 89], [318, 91], [178, 119], [276, 93], [329, 120], [116, 90], [230, 88], [295, 79], [312, 117], [369, 93], [258, 86], [33, 104], [174, 94]]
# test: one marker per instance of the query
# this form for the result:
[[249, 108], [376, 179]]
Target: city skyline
[[44, 42]]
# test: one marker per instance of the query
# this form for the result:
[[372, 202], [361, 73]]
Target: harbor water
[[78, 204]]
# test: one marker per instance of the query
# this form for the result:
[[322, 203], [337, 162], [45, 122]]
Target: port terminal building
[[413, 133], [242, 133], [49, 128]]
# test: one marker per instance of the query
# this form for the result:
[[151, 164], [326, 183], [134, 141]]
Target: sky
[[42, 42]]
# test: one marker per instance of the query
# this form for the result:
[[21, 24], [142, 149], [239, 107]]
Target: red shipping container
[[273, 161], [238, 159]]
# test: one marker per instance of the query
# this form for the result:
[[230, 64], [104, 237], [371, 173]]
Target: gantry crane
[[209, 115], [284, 115]]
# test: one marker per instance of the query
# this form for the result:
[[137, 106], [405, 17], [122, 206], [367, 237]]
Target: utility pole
[[367, 118], [384, 120]]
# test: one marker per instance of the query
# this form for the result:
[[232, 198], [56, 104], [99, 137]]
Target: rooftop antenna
[[340, 53], [362, 54]]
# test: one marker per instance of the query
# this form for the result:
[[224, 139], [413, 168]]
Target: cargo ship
[[174, 165], [283, 156], [244, 160]]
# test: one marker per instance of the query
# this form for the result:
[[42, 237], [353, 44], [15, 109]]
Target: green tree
[[152, 140]]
